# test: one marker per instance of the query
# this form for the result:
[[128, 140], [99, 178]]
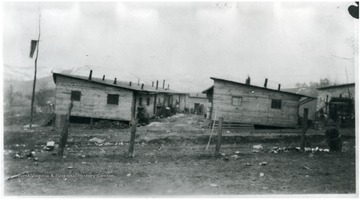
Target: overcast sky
[[185, 43]]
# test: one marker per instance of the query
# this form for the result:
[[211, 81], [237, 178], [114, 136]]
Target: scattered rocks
[[263, 163], [247, 164], [258, 147], [97, 140]]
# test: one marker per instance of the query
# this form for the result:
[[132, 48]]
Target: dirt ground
[[171, 159]]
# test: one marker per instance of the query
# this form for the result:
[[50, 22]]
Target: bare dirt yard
[[170, 159]]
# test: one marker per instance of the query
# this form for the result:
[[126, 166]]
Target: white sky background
[[185, 43]]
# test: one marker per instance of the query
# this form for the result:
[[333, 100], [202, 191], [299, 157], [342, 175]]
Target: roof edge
[[254, 86]]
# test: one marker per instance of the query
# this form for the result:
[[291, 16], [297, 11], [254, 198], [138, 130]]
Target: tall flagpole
[[34, 85]]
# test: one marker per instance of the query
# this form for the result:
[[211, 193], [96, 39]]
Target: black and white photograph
[[180, 99]]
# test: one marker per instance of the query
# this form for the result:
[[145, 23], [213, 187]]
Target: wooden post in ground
[[134, 126], [219, 135], [132, 137], [64, 132], [304, 129]]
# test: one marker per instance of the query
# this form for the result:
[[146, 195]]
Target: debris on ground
[[258, 147], [305, 167], [128, 175], [214, 185], [70, 167], [97, 140], [247, 164], [50, 145], [32, 126], [156, 124], [263, 163], [16, 176], [262, 174]]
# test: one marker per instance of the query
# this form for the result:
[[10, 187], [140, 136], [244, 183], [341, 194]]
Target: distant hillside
[[25, 87]]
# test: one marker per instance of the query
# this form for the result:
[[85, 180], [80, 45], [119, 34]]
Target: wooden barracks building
[[249, 104], [97, 98]]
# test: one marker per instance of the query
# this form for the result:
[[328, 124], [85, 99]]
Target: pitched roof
[[257, 87], [336, 86], [119, 84]]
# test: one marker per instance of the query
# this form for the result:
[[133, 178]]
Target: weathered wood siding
[[255, 107], [149, 108], [182, 102], [93, 102], [161, 99], [311, 106], [178, 101]]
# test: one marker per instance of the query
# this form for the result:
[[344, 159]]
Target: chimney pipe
[[163, 84], [265, 84], [104, 78], [279, 86], [130, 83], [90, 74], [168, 86], [248, 81], [157, 84], [115, 81], [152, 85], [142, 86]]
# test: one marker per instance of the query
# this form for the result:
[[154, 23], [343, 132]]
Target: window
[[276, 103], [148, 101], [140, 101], [236, 101], [113, 99], [75, 95]]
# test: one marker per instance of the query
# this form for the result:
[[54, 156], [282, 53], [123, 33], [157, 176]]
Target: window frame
[[75, 93], [276, 104], [111, 101], [238, 98]]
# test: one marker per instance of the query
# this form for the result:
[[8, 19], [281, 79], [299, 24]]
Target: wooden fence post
[[132, 137], [304, 129], [219, 134], [134, 122], [64, 131]]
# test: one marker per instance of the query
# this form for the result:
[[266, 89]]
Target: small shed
[[197, 103], [244, 103], [328, 92], [96, 98]]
